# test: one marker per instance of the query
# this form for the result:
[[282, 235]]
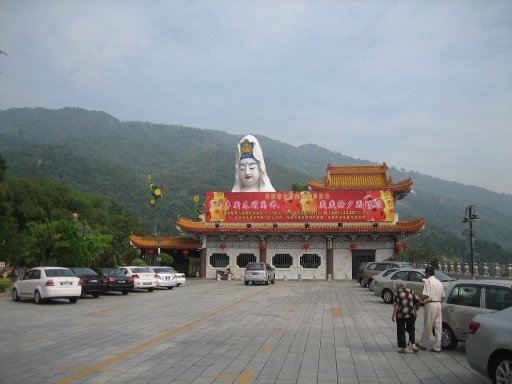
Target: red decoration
[[150, 251], [263, 246], [185, 252], [306, 246], [222, 245], [353, 246], [398, 246], [405, 246]]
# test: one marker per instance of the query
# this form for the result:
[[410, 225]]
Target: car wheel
[[361, 283], [273, 281], [125, 292], [501, 368], [178, 284], [15, 296], [387, 296], [170, 287], [150, 290], [246, 282], [73, 300], [266, 282], [37, 298], [448, 339]]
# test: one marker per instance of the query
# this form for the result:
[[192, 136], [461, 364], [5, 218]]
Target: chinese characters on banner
[[325, 206]]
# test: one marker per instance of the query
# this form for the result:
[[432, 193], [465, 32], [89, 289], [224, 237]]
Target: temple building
[[322, 233]]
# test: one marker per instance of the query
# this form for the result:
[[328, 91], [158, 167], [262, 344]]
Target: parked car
[[414, 279], [44, 283], [489, 345], [117, 281], [92, 283], [166, 278], [259, 273], [180, 276], [382, 274], [375, 268], [467, 298], [143, 277], [360, 270]]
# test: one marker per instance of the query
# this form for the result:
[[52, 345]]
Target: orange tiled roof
[[361, 177], [165, 242], [200, 227]]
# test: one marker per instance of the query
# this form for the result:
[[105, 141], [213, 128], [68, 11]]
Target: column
[[329, 255], [263, 249], [202, 263]]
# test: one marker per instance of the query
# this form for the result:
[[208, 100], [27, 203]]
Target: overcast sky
[[420, 85]]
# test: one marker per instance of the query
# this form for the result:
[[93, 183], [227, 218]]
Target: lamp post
[[469, 218]]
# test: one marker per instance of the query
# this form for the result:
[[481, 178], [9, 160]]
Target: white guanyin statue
[[251, 173]]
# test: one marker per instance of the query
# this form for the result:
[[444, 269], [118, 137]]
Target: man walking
[[433, 294]]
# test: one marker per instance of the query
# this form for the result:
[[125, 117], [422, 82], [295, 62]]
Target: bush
[[4, 284], [138, 263], [166, 259]]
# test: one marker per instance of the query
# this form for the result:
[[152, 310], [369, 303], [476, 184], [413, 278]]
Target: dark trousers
[[402, 326]]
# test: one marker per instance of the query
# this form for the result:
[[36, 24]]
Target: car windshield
[[388, 271], [255, 267], [84, 271], [112, 272], [141, 270], [442, 277], [58, 273], [162, 269]]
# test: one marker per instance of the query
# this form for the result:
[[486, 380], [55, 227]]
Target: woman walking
[[406, 303]]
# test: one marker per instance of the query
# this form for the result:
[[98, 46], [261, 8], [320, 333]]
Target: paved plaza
[[209, 331]]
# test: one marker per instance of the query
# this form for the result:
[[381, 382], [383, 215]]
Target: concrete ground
[[206, 331]]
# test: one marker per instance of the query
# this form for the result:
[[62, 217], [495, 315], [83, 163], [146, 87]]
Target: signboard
[[325, 206]]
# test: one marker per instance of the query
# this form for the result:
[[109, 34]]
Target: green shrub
[[138, 263], [4, 284], [166, 259]]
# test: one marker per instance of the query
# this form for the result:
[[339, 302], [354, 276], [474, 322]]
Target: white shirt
[[433, 289]]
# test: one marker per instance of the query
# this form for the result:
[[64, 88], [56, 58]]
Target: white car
[[489, 345], [44, 283], [143, 277], [180, 276], [166, 278]]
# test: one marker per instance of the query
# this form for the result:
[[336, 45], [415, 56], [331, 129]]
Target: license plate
[[66, 283], [121, 281], [147, 283], [93, 281]]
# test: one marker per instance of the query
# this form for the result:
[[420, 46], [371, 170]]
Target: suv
[[467, 298], [259, 273], [372, 269]]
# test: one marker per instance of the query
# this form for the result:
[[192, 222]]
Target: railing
[[462, 271]]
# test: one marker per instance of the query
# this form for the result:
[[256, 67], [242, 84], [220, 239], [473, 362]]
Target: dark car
[[92, 283], [117, 281]]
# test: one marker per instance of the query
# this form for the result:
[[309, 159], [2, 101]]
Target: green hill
[[96, 153]]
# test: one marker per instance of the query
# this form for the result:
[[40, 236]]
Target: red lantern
[[405, 246], [306, 246], [353, 246], [222, 245], [185, 252], [150, 251], [398, 246]]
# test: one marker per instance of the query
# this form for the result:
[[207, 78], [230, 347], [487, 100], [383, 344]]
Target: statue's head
[[250, 175]]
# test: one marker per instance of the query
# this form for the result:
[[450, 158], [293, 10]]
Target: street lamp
[[469, 218]]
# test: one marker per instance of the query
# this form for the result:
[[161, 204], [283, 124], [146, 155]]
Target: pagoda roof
[[361, 177], [165, 242], [201, 227]]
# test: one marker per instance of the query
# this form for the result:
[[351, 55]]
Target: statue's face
[[249, 173]]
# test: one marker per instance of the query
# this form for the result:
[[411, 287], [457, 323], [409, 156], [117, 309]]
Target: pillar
[[202, 263], [330, 258], [263, 249]]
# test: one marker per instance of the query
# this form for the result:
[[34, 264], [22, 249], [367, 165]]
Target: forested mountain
[[96, 153]]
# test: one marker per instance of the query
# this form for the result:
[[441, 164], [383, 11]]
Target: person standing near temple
[[405, 305], [432, 296]]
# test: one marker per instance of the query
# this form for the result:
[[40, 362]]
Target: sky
[[424, 86]]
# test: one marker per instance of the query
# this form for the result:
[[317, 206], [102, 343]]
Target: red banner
[[331, 206]]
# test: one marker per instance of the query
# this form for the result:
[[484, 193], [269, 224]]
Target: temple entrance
[[361, 256]]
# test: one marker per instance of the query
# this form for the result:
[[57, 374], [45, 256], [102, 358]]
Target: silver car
[[467, 298], [489, 345], [414, 280], [259, 273]]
